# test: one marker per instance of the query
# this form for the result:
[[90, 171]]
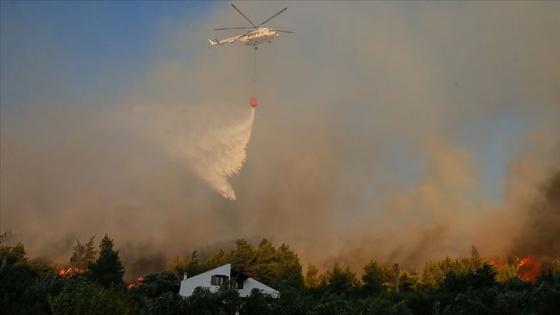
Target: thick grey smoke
[[540, 235], [389, 131]]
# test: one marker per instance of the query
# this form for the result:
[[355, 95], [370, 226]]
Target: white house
[[212, 279]]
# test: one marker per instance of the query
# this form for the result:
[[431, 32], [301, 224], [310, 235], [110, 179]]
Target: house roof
[[204, 280]]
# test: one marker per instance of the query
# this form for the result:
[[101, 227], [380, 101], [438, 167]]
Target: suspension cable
[[255, 65]]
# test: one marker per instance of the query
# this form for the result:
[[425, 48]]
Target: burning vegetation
[[539, 239], [526, 269], [137, 283], [71, 271], [380, 285]]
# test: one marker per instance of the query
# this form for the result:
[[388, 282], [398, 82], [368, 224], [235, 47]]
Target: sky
[[396, 131]]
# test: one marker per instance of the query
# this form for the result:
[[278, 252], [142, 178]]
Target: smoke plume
[[394, 131], [540, 235]]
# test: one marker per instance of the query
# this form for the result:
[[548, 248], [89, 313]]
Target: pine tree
[[373, 277], [312, 277], [289, 268], [83, 254], [341, 280], [265, 267], [107, 269], [12, 255], [242, 256]]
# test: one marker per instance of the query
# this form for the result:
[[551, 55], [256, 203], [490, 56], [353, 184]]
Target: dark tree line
[[93, 285], [273, 266]]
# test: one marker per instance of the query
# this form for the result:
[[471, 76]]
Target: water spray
[[221, 154]]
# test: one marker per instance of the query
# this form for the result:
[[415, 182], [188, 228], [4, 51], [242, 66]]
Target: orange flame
[[70, 271], [137, 284], [501, 265], [528, 269]]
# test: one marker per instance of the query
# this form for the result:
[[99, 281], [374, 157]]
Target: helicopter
[[255, 36]]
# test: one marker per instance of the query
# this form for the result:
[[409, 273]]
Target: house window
[[219, 279], [236, 284]]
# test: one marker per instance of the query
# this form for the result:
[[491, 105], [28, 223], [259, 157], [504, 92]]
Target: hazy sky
[[398, 131]]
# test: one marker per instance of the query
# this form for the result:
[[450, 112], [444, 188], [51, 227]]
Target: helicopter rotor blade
[[243, 15], [232, 28], [282, 31], [275, 15]]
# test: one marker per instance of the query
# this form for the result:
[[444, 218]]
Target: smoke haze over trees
[[448, 286], [540, 235], [387, 131]]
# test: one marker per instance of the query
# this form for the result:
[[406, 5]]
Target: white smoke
[[212, 142]]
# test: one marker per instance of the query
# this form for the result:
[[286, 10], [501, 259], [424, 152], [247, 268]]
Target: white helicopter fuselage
[[258, 36], [254, 37]]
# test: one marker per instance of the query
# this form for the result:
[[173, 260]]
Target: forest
[[92, 283]]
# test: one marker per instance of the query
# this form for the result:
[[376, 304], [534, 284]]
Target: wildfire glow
[[501, 265], [528, 269], [137, 284], [70, 271]]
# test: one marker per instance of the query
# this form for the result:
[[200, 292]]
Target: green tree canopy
[[341, 280], [289, 271], [25, 284], [273, 266], [242, 256], [476, 259], [373, 277], [108, 268], [85, 297], [266, 263], [12, 255], [313, 278], [217, 258], [83, 255], [190, 265], [155, 285]]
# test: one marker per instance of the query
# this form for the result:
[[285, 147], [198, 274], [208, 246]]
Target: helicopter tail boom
[[214, 42]]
